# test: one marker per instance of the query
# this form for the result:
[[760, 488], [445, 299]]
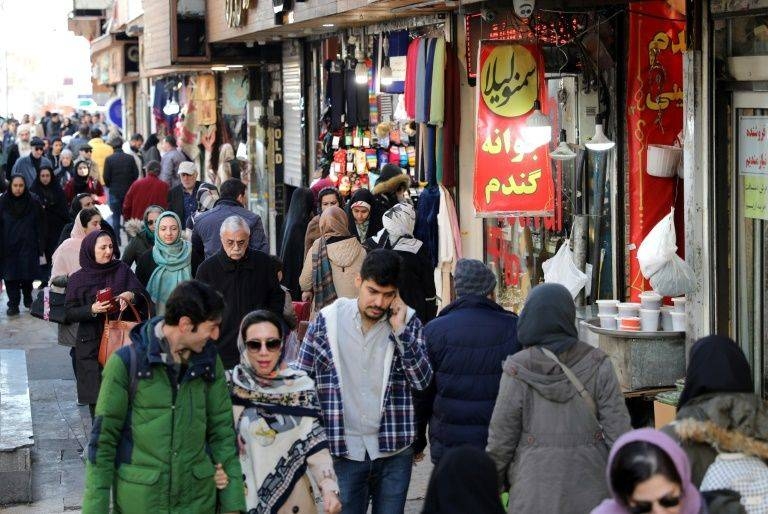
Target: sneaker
[[12, 311]]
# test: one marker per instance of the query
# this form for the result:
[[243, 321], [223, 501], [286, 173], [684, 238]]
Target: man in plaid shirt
[[369, 351]]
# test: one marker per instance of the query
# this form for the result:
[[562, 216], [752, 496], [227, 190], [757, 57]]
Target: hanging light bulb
[[563, 152], [385, 75], [599, 142], [171, 107], [361, 70], [538, 129]]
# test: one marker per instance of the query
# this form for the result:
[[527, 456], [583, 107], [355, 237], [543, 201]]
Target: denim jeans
[[116, 204], [382, 482]]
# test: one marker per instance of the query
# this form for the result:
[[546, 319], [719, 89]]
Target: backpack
[[745, 474]]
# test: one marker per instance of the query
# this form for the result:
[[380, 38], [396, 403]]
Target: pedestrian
[[22, 243], [65, 170], [29, 165], [649, 472], [144, 240], [150, 151], [53, 126], [67, 128], [391, 187], [99, 152], [85, 154], [466, 344], [83, 182], [245, 277], [206, 238], [146, 191], [134, 150], [54, 152], [170, 161], [364, 223], [333, 262], [417, 280], [78, 203], [182, 199], [270, 398], [120, 172], [54, 214], [98, 124], [164, 411], [718, 409], [228, 166], [464, 482], [80, 139], [544, 431], [300, 211], [169, 262], [66, 261], [326, 198], [207, 196], [369, 351], [21, 147]]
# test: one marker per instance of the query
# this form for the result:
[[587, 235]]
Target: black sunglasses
[[272, 344], [645, 507]]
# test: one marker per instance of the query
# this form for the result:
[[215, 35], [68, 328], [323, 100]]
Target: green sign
[[756, 196]]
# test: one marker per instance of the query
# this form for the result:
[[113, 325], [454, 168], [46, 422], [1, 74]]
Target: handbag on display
[[49, 306], [116, 334]]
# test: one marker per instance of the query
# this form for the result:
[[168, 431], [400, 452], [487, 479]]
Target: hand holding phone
[[105, 295], [396, 313]]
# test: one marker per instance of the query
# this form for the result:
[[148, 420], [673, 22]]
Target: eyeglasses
[[86, 151], [645, 507], [38, 148], [150, 222], [229, 243], [272, 345]]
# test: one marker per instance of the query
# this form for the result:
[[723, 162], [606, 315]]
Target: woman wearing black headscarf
[[54, 213], [99, 269], [546, 429], [463, 482], [149, 151], [364, 215], [292, 247], [21, 242], [718, 409]]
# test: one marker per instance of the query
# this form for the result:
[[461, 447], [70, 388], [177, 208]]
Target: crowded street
[[384, 256]]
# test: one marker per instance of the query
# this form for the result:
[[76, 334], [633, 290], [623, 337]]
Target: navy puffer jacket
[[466, 344]]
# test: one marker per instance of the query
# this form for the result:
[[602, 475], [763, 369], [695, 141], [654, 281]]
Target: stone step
[[16, 436]]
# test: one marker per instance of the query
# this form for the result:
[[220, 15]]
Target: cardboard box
[[663, 414]]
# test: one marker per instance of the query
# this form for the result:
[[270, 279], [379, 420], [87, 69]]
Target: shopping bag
[[49, 306], [658, 247], [675, 278], [561, 269], [116, 334]]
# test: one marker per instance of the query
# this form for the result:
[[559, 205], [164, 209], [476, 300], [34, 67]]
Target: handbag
[[49, 306], [116, 334]]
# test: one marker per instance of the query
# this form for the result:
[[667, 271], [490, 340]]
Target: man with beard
[[135, 144], [28, 166], [369, 351], [18, 149]]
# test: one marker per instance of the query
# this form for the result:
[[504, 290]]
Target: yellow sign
[[756, 196], [509, 80]]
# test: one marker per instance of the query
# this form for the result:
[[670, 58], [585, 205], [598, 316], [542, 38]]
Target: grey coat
[[546, 443]]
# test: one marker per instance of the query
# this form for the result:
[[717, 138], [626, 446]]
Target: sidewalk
[[61, 428]]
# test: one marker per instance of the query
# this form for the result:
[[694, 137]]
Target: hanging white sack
[[675, 278], [658, 247], [561, 269]]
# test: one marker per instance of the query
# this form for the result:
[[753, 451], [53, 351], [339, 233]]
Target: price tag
[[336, 141]]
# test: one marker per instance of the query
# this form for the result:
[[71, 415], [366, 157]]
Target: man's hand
[[398, 311], [220, 477]]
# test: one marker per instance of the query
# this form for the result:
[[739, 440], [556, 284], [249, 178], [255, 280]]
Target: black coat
[[466, 345], [176, 201], [55, 215], [120, 172], [21, 243], [247, 285]]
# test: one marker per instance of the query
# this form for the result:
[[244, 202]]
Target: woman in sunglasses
[[279, 434], [649, 473]]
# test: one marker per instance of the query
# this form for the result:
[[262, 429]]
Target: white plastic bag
[[561, 269], [675, 278], [658, 247]]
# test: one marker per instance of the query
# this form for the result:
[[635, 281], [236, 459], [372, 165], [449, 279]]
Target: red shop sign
[[511, 178]]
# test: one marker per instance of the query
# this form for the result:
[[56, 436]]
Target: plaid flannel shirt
[[410, 369]]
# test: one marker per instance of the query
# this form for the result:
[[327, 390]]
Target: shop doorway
[[749, 230]]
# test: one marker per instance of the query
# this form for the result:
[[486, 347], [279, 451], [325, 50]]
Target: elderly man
[[182, 199], [19, 148], [247, 279], [28, 166]]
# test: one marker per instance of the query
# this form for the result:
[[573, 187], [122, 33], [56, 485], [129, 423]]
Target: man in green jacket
[[164, 418]]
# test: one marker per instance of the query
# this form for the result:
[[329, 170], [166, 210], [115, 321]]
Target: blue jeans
[[116, 204], [382, 482]]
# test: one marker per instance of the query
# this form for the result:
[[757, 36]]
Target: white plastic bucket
[[662, 160]]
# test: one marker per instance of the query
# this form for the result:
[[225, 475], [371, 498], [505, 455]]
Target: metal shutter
[[293, 104]]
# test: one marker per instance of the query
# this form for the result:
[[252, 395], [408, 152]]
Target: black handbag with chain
[[49, 306]]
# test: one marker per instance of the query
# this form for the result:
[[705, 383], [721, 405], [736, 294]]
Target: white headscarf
[[399, 222]]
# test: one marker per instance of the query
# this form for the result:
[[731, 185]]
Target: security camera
[[488, 15], [524, 8]]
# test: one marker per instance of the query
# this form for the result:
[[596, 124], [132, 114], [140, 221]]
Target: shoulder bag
[[575, 381]]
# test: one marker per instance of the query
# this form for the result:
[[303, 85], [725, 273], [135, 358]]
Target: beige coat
[[346, 260]]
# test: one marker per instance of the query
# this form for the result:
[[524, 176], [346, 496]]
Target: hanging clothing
[[335, 92], [426, 221], [411, 78], [437, 84], [451, 133], [173, 264]]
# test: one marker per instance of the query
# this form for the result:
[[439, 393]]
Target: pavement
[[61, 428]]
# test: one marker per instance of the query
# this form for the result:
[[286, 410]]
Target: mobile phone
[[104, 295]]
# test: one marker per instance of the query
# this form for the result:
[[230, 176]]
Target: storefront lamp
[[361, 70], [171, 107], [386, 75], [563, 152], [538, 129], [599, 142]]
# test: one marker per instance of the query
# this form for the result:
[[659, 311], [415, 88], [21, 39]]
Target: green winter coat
[[159, 455]]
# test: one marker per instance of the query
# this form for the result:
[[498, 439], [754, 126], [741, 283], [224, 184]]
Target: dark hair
[[171, 140], [328, 191], [95, 132], [637, 462], [86, 215], [83, 130], [231, 188], [196, 300], [261, 316], [137, 137], [382, 266], [277, 263], [116, 142], [151, 141], [54, 139]]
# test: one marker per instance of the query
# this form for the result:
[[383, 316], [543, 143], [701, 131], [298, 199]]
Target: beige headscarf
[[333, 222]]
